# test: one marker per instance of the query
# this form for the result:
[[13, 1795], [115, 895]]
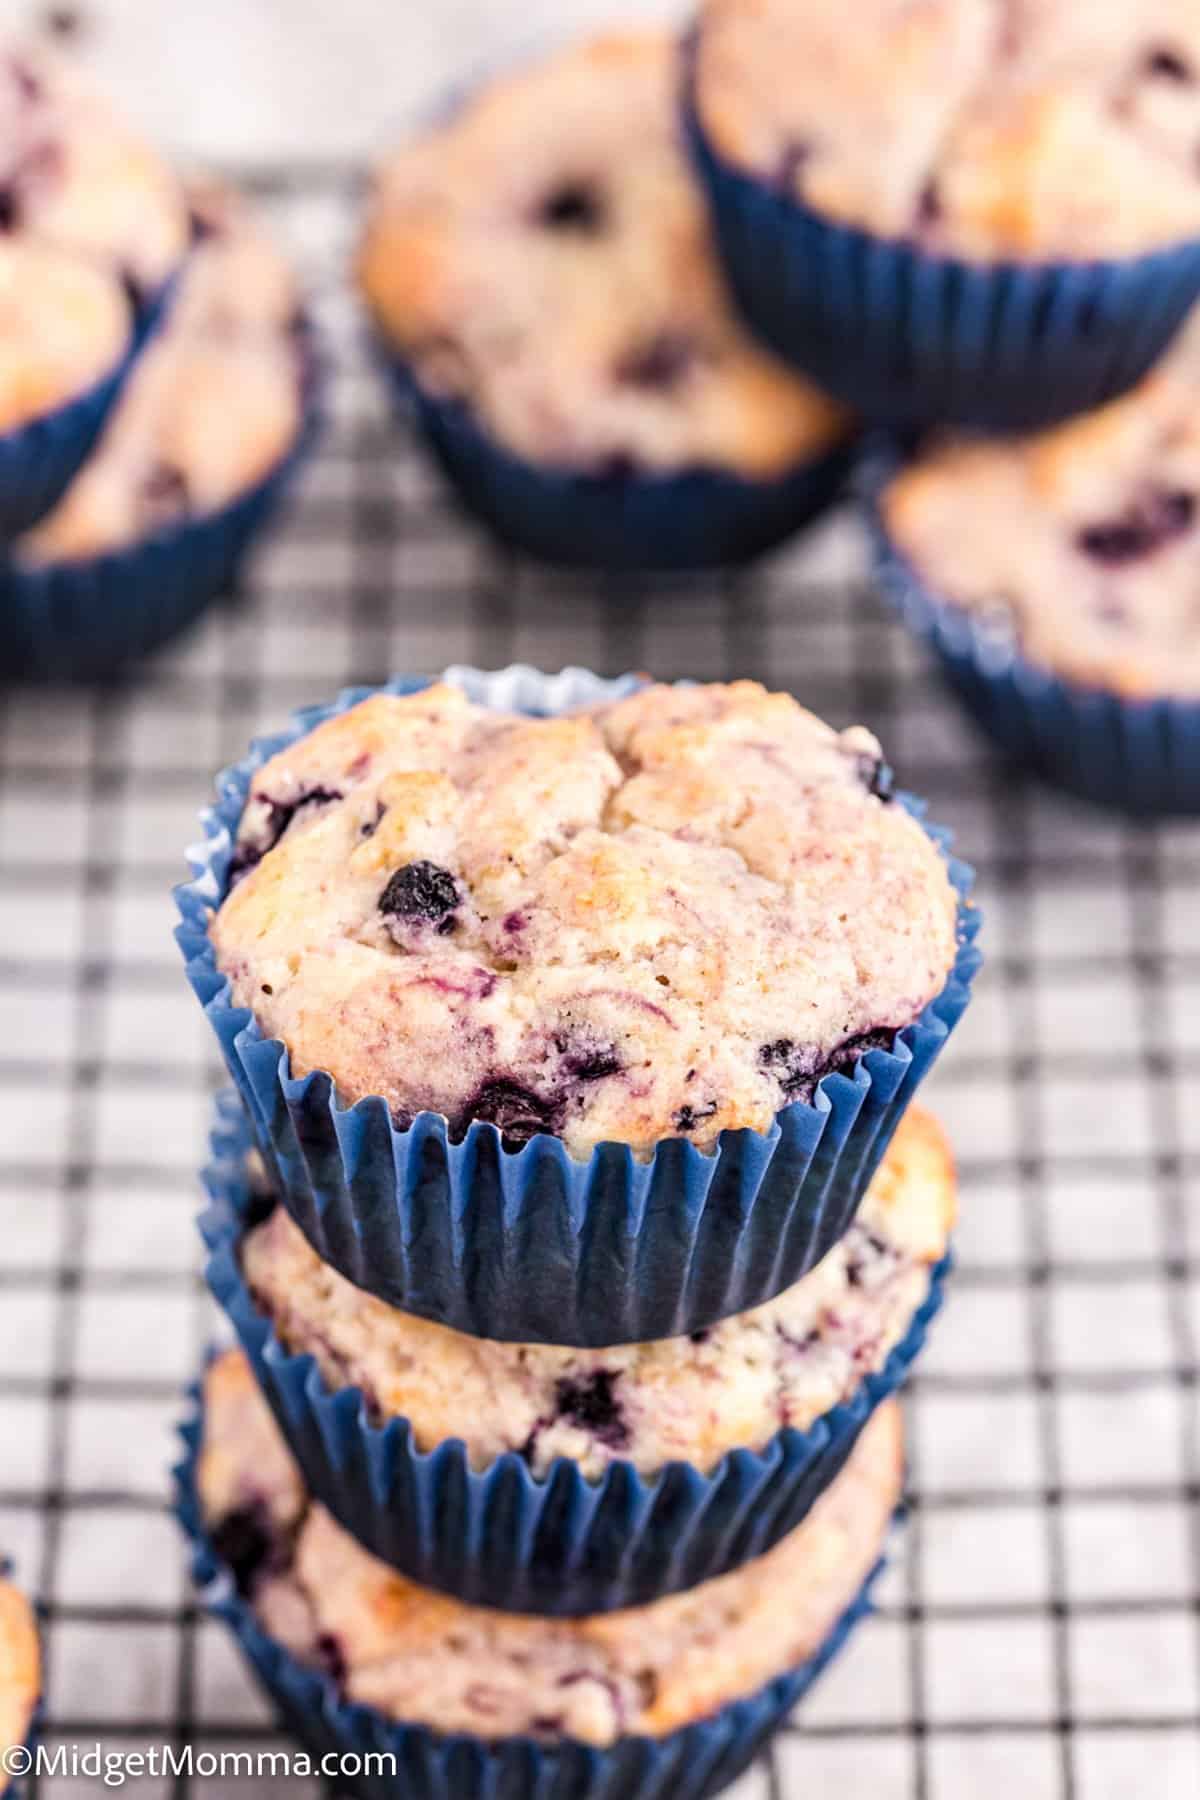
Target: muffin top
[[72, 172], [688, 1399], [20, 1668], [422, 1657], [544, 255], [212, 405], [1080, 544], [64, 324], [671, 915], [977, 128]]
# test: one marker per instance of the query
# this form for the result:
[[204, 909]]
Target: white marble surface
[[310, 80]]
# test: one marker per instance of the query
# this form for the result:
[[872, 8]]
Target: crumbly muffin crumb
[[690, 1399], [671, 916], [419, 1656]]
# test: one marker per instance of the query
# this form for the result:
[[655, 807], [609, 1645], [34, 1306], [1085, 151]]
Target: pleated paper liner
[[533, 1245]]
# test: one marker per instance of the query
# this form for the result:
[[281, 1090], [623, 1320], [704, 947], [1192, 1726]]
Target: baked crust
[[422, 1657], [212, 405], [687, 1399], [978, 128], [1079, 545], [544, 255], [667, 917]]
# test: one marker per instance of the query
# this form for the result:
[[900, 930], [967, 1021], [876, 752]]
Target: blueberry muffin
[[543, 256], [212, 406], [688, 1399], [74, 174], [415, 1655], [980, 129], [670, 916], [1080, 545], [64, 325], [20, 1671]]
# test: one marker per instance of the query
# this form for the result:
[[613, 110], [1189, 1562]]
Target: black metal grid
[[1040, 1627]]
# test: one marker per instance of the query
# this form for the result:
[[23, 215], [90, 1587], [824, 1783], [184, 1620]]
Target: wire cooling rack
[[1040, 1627]]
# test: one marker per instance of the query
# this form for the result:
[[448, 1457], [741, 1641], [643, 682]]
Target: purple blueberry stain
[[1164, 63], [421, 894], [1154, 519], [247, 1544], [516, 1112], [688, 1117], [799, 1067], [280, 814], [929, 206], [165, 491], [661, 362], [28, 86], [590, 1402], [587, 1058], [791, 165], [331, 1659], [577, 207]]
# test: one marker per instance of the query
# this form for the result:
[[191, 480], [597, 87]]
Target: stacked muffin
[[20, 1679], [153, 384], [575, 1276]]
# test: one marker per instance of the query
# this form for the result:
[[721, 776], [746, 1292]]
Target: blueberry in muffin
[[1080, 545], [418, 1657], [541, 261], [690, 1399], [670, 916]]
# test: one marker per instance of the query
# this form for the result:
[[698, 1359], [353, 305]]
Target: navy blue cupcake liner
[[83, 620], [556, 1544], [39, 459], [626, 519], [694, 1763], [906, 337], [532, 1245], [1135, 756]]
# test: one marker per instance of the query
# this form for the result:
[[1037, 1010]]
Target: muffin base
[[694, 1763], [531, 1245], [906, 337], [695, 518], [1139, 757], [557, 1544], [82, 620]]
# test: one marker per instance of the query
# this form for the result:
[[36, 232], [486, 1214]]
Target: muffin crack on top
[[421, 1657], [685, 1399], [671, 915], [979, 128], [544, 256]]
